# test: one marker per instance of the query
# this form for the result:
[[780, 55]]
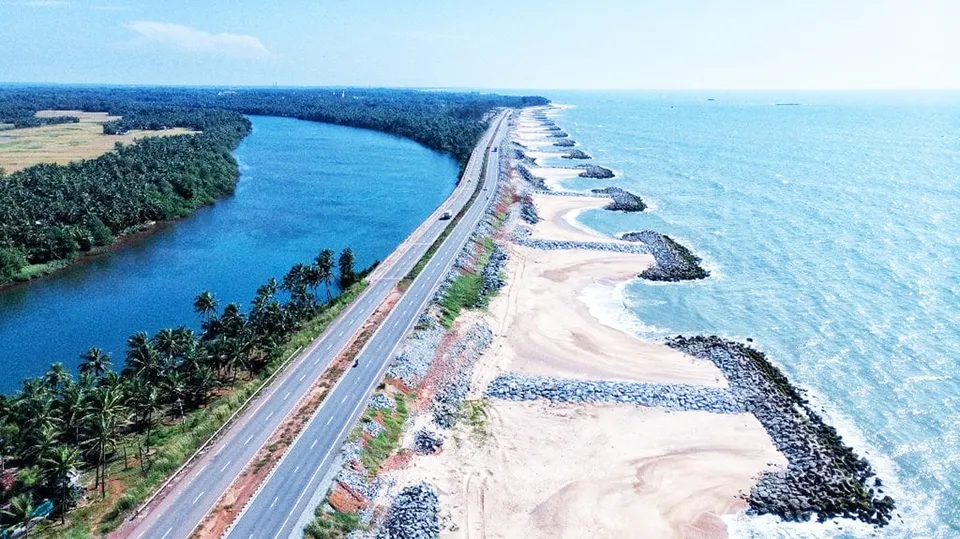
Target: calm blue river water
[[833, 232], [304, 186]]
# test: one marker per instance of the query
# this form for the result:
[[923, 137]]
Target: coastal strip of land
[[534, 413]]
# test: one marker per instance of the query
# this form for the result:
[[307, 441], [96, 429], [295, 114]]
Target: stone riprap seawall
[[669, 396], [622, 200], [825, 477], [521, 236], [674, 261], [413, 514], [596, 172]]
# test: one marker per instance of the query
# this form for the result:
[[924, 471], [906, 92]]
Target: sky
[[502, 44]]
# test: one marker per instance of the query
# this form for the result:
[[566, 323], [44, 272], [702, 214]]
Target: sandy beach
[[558, 216], [626, 472], [540, 469]]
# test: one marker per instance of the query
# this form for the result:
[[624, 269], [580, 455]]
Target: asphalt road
[[197, 490], [286, 495]]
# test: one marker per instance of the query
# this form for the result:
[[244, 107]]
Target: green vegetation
[[465, 290], [119, 435], [474, 412], [56, 212], [332, 525], [383, 445]]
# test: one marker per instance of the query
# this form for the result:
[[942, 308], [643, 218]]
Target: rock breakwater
[[674, 261], [521, 236], [825, 477], [536, 181], [622, 200], [576, 154], [594, 171], [669, 396]]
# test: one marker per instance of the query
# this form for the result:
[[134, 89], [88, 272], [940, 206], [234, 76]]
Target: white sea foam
[[571, 218], [610, 305]]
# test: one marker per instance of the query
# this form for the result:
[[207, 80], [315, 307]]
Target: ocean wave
[[610, 306]]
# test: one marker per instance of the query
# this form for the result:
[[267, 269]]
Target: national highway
[[184, 503], [286, 495]]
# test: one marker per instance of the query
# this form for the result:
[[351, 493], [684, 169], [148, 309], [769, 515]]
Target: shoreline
[[788, 494], [543, 332], [683, 438]]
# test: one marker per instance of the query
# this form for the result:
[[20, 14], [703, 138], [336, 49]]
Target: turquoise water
[[304, 186], [832, 231]]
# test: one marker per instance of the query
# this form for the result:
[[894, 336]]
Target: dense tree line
[[59, 425], [445, 121], [54, 212]]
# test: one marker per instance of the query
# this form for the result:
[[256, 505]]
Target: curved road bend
[[190, 497], [285, 497]]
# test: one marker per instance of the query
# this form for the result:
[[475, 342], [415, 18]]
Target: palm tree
[[56, 376], [141, 357], [205, 304], [56, 468], [294, 279], [95, 361], [72, 404], [8, 433], [345, 264], [144, 400], [324, 262], [106, 413], [20, 509], [175, 389]]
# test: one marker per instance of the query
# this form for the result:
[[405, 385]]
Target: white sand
[[543, 327], [594, 471], [559, 214], [545, 470], [552, 176]]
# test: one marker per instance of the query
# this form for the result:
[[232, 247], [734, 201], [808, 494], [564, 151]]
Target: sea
[[830, 223]]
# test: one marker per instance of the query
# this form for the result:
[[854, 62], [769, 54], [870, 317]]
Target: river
[[304, 186]]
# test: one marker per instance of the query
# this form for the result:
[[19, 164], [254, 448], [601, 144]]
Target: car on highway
[[445, 215]]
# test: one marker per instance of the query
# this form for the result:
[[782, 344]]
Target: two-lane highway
[[196, 491], [285, 497]]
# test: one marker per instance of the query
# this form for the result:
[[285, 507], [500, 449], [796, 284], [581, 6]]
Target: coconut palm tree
[[144, 401], [20, 509], [174, 389], [205, 304], [72, 404], [8, 434], [41, 443], [95, 361], [141, 357], [345, 265], [324, 263], [56, 469], [56, 376], [106, 413]]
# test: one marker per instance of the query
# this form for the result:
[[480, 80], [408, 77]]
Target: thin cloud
[[193, 40], [38, 3], [110, 8]]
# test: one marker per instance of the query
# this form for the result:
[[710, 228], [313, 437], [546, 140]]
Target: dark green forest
[[53, 213], [59, 424]]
